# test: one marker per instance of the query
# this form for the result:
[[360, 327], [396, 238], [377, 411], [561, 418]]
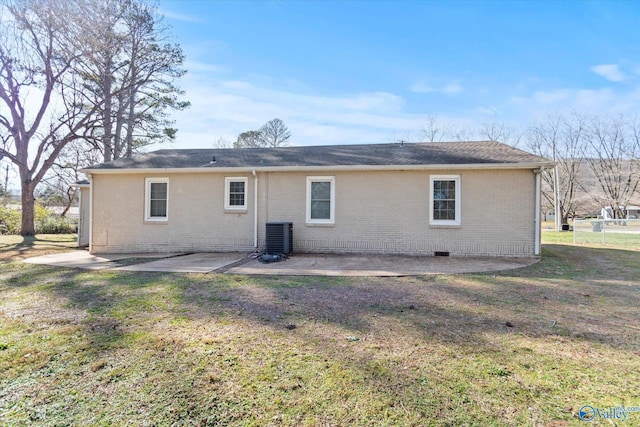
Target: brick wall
[[376, 212]]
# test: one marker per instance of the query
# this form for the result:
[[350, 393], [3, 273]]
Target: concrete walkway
[[295, 265]]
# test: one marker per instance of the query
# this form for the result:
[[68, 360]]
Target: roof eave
[[209, 169]]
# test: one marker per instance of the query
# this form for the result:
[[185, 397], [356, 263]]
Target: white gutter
[[255, 209], [537, 231], [556, 199], [90, 213], [350, 168]]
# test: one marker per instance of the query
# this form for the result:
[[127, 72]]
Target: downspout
[[90, 214], [556, 198], [80, 222], [255, 209], [536, 221]]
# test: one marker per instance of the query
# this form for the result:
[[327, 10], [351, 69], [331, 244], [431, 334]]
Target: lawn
[[521, 347]]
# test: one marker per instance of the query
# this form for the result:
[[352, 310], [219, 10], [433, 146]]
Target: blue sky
[[375, 71]]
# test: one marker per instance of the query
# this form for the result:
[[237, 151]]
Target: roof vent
[[213, 160]]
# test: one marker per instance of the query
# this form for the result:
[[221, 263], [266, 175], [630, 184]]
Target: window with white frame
[[156, 199], [321, 199], [444, 200], [235, 193]]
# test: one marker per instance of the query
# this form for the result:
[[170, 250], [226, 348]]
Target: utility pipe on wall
[[255, 209], [90, 214], [536, 221], [556, 198]]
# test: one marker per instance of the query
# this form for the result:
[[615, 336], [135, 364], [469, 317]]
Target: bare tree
[[613, 149], [435, 129], [462, 133], [275, 133], [37, 59], [495, 130], [66, 171], [249, 139], [561, 140], [222, 143]]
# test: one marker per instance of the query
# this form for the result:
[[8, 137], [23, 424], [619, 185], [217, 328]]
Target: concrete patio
[[295, 265]]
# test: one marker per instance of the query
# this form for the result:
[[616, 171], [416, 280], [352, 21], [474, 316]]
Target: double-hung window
[[235, 193], [321, 199], [156, 207], [444, 200]]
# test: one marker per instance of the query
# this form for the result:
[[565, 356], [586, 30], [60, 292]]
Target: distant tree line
[[608, 147]]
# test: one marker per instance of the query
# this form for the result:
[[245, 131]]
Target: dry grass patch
[[523, 347], [22, 247]]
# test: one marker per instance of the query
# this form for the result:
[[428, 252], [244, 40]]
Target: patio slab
[[191, 263], [85, 260], [379, 265], [295, 265]]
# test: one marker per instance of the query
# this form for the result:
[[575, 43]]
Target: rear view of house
[[460, 198]]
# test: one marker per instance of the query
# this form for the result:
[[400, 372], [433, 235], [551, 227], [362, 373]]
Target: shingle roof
[[396, 154]]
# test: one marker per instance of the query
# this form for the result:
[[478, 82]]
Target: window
[[445, 200], [321, 196], [235, 193], [156, 199]]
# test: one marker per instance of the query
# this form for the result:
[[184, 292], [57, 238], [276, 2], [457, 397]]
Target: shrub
[[56, 225], [9, 220], [47, 222]]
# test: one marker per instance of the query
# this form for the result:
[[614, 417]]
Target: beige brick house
[[460, 198]]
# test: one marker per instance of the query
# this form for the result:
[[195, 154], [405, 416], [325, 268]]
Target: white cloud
[[488, 110], [553, 97], [589, 101], [452, 88], [195, 66], [225, 108], [181, 16], [610, 72], [422, 88]]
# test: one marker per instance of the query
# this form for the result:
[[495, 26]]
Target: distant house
[[630, 212], [459, 198]]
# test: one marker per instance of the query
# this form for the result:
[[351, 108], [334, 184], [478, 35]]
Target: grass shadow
[[14, 247]]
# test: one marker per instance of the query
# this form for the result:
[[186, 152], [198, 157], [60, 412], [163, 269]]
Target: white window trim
[[147, 199], [458, 220], [227, 191], [332, 211]]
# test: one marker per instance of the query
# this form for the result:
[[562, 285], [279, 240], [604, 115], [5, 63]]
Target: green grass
[[594, 240], [521, 347]]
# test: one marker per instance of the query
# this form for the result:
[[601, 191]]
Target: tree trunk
[[71, 194], [28, 207], [106, 115]]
